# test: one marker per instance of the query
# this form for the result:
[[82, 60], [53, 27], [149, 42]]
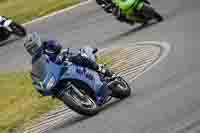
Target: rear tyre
[[120, 88], [84, 105], [18, 29], [4, 34]]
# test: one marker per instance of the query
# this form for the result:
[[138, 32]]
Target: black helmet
[[51, 47]]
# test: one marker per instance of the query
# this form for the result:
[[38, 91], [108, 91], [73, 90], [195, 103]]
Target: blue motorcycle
[[77, 87]]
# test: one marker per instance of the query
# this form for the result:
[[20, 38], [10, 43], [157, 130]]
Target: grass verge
[[19, 101], [26, 10]]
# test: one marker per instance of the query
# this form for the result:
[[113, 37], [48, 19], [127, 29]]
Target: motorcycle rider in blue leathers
[[53, 49], [56, 54]]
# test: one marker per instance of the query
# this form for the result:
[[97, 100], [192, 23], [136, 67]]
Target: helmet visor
[[32, 43]]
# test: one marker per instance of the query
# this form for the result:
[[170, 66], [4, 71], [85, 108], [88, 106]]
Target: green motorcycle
[[131, 11]]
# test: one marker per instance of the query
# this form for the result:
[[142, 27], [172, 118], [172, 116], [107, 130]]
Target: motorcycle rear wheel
[[120, 88]]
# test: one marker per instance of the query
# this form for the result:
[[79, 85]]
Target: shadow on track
[[79, 118], [182, 7], [132, 31], [9, 41]]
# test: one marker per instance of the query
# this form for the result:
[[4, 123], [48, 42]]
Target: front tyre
[[158, 17], [150, 13], [79, 101], [18, 29], [120, 88], [4, 34]]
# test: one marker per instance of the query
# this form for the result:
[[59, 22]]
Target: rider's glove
[[66, 61], [107, 72], [59, 59], [101, 68]]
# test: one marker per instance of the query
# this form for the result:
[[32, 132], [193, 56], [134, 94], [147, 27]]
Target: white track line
[[57, 12], [165, 49]]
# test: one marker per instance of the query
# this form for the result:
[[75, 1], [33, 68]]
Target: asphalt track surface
[[167, 97]]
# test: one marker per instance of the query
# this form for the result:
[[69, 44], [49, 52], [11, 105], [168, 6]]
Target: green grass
[[20, 102], [105, 60], [26, 10]]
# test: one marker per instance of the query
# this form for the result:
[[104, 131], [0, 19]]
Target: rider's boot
[[103, 96], [121, 17]]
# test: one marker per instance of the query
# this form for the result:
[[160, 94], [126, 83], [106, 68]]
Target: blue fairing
[[47, 72], [54, 69], [91, 78]]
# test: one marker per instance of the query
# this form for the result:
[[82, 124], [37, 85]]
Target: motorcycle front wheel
[[79, 101], [150, 12], [4, 34], [120, 88]]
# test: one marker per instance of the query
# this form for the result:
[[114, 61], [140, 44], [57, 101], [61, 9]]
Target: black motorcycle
[[8, 27]]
